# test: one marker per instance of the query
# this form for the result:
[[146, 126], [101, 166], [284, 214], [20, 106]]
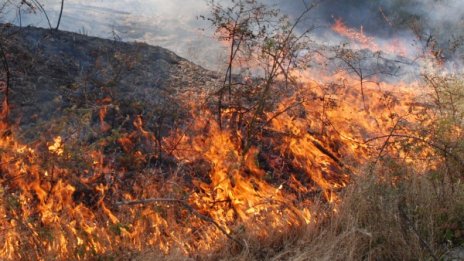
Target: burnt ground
[[101, 95], [66, 84], [60, 80]]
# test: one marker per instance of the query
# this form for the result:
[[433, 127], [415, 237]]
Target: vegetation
[[393, 213], [391, 210], [292, 168]]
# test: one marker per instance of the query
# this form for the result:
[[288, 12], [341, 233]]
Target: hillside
[[53, 72], [125, 151]]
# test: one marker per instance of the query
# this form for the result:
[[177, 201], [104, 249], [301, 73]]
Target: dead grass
[[390, 213]]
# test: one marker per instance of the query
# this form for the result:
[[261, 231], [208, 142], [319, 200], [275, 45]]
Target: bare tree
[[266, 44]]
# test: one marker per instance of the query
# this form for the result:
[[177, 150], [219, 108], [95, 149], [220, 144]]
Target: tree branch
[[184, 204]]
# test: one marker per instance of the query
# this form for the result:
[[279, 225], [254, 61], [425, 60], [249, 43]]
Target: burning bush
[[341, 165]]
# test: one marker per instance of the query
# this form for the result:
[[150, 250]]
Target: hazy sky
[[173, 23], [169, 23]]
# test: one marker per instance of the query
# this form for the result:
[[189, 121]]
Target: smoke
[[383, 18], [436, 23], [173, 23], [417, 25]]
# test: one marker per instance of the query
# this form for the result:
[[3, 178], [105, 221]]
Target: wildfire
[[57, 146], [199, 186], [266, 189], [394, 46]]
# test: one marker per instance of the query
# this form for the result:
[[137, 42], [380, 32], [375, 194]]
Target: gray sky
[[173, 24]]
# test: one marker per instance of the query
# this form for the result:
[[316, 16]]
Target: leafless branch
[[184, 204]]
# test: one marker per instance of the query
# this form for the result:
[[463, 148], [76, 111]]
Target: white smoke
[[173, 24]]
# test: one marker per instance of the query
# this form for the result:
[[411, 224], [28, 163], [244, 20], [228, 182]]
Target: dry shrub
[[389, 213]]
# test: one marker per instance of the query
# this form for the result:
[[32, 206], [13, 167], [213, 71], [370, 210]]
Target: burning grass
[[332, 167], [68, 204], [207, 198], [380, 216]]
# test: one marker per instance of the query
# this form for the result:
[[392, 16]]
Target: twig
[[186, 206], [328, 153], [410, 224], [25, 2], [385, 144], [283, 111], [41, 8], [59, 17], [458, 159]]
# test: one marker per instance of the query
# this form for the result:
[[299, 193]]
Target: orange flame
[[359, 38], [311, 146]]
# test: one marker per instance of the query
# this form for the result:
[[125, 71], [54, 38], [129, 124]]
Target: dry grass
[[391, 213]]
